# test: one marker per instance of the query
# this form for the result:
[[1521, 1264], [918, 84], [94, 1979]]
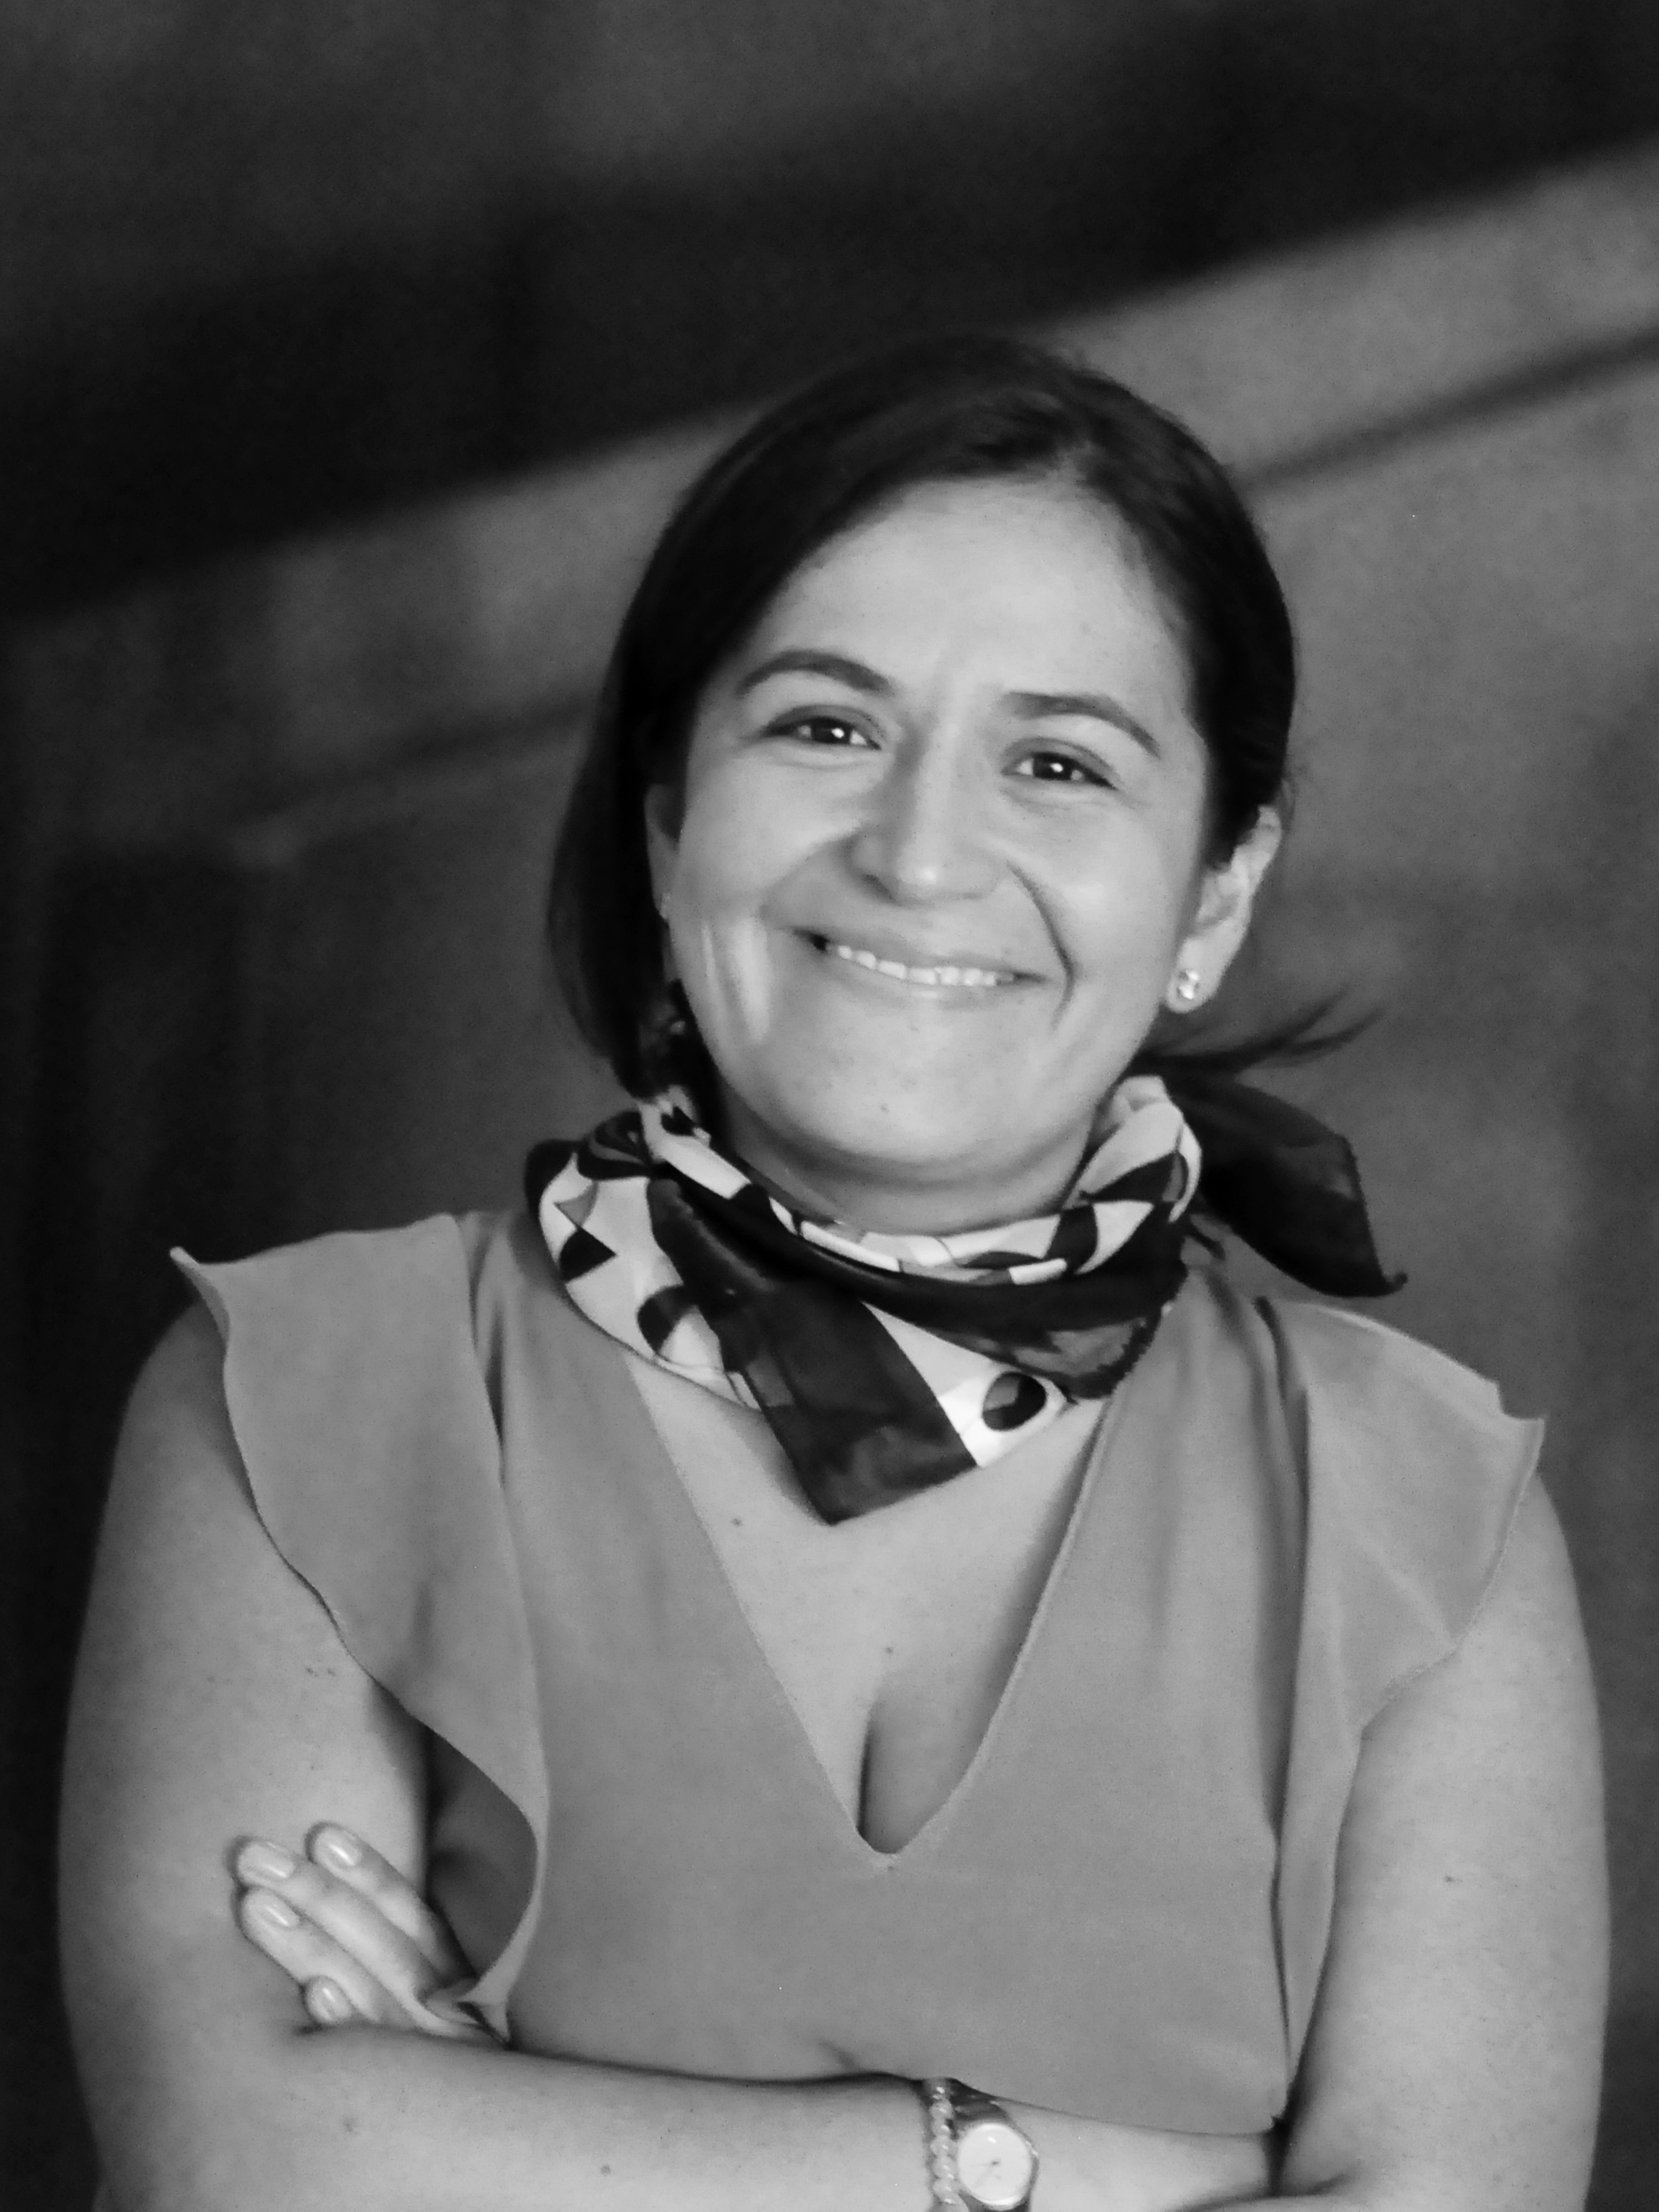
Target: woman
[[833, 1597]]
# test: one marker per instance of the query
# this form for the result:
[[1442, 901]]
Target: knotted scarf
[[886, 1363]]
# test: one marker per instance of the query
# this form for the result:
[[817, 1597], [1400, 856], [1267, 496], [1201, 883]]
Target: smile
[[949, 977]]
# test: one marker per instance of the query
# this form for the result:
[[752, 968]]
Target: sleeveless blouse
[[1122, 1910]]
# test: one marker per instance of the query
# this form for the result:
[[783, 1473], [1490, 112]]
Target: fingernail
[[266, 1862], [326, 2000], [339, 1849], [274, 1911]]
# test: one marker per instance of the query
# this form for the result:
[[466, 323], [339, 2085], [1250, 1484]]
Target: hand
[[358, 1941]]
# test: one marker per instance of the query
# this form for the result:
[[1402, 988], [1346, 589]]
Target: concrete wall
[[264, 264]]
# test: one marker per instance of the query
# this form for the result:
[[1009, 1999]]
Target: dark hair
[[941, 410]]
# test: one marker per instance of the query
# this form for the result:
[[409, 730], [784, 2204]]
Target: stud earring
[[1186, 986], [662, 905]]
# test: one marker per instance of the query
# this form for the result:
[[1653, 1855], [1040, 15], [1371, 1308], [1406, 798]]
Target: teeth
[[979, 979]]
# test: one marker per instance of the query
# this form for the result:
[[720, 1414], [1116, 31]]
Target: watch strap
[[970, 2105]]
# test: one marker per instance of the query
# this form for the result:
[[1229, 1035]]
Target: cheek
[[734, 848], [733, 854], [1119, 912], [709, 858]]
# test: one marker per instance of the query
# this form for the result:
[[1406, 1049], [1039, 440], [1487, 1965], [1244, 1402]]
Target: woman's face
[[938, 857]]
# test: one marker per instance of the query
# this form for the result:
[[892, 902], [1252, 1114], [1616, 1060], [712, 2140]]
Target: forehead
[[1016, 565]]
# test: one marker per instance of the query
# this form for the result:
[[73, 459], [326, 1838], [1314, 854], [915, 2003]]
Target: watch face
[[995, 2165]]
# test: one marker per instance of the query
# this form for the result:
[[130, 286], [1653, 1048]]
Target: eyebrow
[[805, 660], [1097, 705]]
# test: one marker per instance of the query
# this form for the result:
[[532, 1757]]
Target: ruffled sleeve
[[1413, 1476], [360, 1408]]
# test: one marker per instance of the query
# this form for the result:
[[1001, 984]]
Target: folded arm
[[1453, 2050], [215, 1701]]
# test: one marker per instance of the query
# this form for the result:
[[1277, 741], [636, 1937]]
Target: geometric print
[[883, 1363]]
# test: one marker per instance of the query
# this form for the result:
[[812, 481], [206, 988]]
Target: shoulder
[[1331, 1353], [298, 1304], [1364, 1407], [342, 1380], [355, 1266], [1372, 1369], [1402, 1474], [331, 1401], [1412, 1453], [340, 1313]]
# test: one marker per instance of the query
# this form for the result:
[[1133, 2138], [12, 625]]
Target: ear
[[661, 839], [1221, 920]]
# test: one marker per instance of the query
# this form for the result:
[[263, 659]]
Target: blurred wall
[[266, 262], [264, 267]]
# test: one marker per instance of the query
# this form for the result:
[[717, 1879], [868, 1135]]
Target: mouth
[[941, 975]]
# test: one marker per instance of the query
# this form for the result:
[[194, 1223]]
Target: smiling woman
[[938, 853], [841, 1598]]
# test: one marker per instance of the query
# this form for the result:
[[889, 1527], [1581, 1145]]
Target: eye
[[823, 730], [1047, 765]]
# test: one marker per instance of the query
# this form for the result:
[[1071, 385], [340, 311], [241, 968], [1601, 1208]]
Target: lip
[[879, 954]]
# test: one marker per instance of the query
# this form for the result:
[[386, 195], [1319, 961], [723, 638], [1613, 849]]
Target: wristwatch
[[977, 2156]]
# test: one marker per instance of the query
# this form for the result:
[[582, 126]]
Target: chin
[[850, 1137], [918, 1150]]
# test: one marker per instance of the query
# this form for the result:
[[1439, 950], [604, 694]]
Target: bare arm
[[1455, 2060]]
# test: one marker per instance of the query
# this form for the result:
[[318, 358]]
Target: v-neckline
[[733, 1610]]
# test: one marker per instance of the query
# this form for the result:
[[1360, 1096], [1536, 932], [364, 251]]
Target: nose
[[923, 837]]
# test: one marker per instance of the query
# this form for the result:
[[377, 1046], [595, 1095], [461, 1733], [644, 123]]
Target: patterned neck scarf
[[883, 1363]]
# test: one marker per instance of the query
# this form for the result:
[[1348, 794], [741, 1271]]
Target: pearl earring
[[1186, 986]]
